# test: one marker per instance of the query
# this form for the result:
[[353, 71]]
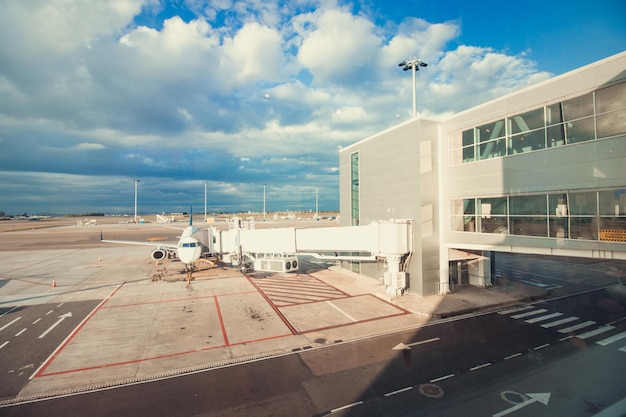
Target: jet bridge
[[276, 249]]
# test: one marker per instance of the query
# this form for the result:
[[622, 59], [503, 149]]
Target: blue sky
[[245, 93]]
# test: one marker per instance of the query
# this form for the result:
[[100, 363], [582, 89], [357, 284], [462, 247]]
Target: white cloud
[[336, 45]]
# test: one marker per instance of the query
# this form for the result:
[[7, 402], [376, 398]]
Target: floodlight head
[[423, 64], [402, 63]]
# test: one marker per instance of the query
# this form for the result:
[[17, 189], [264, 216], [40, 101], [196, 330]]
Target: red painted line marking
[[178, 299], [39, 372], [274, 307], [221, 319], [337, 326], [108, 365]]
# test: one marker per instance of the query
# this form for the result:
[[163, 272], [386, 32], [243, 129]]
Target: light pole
[[316, 203], [414, 64], [136, 181], [205, 201], [264, 201]]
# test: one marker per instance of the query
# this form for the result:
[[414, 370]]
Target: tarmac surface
[[152, 321]]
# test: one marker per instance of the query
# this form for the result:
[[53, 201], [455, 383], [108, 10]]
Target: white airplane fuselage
[[189, 249]]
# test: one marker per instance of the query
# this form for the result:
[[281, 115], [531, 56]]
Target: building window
[[491, 139], [528, 215], [612, 206], [595, 115], [588, 215], [354, 188], [611, 111], [493, 215], [463, 217]]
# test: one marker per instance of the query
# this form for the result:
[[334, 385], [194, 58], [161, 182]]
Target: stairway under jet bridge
[[277, 249]]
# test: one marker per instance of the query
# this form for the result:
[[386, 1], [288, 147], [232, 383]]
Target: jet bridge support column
[[395, 281]]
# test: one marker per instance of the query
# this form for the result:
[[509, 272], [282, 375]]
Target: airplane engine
[[158, 254]]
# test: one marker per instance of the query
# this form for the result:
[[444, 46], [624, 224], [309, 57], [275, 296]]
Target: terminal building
[[538, 171]]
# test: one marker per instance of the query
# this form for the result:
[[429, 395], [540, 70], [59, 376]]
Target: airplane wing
[[131, 242]]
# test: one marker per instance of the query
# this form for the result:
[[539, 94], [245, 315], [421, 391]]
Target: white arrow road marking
[[402, 346], [542, 397], [61, 318]]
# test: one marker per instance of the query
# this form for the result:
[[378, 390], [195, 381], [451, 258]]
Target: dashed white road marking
[[484, 365], [20, 332], [612, 339], [543, 318], [37, 321], [515, 310], [389, 394], [577, 327], [345, 407], [515, 355], [4, 344], [559, 322], [595, 332], [9, 323], [441, 378], [530, 313]]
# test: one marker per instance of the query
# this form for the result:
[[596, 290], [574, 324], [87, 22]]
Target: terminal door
[[459, 273]]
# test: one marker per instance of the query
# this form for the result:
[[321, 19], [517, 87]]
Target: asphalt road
[[30, 334], [481, 365]]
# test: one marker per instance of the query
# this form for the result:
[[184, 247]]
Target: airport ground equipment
[[277, 249]]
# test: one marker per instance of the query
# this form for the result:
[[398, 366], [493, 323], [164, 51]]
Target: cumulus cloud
[[240, 93]]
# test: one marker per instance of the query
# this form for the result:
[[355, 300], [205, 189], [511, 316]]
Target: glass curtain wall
[[595, 115], [586, 215]]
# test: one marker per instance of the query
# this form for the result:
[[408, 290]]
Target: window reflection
[[567, 122], [588, 215]]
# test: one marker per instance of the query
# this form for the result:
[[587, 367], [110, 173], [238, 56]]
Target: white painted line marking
[[542, 346], [441, 378], [60, 305], [530, 313], [484, 365], [515, 310], [346, 406], [11, 310], [4, 344], [9, 323], [612, 339], [595, 332], [565, 338], [577, 326], [61, 318], [37, 321], [342, 312], [559, 322], [49, 312], [622, 349], [515, 355], [389, 394], [542, 318], [20, 332]]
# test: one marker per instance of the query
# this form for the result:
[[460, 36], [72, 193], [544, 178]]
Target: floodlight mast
[[414, 64]]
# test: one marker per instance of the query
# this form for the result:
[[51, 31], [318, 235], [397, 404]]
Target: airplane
[[191, 246]]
